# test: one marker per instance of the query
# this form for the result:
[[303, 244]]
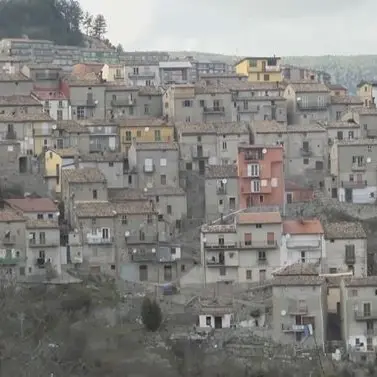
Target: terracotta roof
[[71, 126], [211, 89], [219, 228], [33, 204], [85, 68], [298, 281], [103, 157], [293, 186], [336, 87], [221, 171], [268, 126], [66, 152], [370, 281], [346, 100], [145, 122], [97, 123], [41, 224], [21, 118], [336, 125], [9, 215], [292, 227], [94, 209], [49, 95], [309, 87], [156, 146], [344, 230], [356, 142], [18, 100], [43, 66], [259, 218], [85, 175], [300, 128], [298, 269], [134, 207]]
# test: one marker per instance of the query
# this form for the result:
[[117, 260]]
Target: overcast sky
[[242, 27]]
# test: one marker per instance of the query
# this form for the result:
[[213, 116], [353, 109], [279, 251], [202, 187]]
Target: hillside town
[[194, 177]]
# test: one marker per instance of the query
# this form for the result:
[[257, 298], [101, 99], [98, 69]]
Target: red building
[[261, 175]]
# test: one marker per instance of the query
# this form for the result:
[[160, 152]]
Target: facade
[[366, 118], [44, 76], [54, 103], [142, 74], [367, 91], [221, 191], [113, 73], [144, 130], [302, 242], [15, 84], [341, 131], [70, 134], [261, 175], [307, 102], [341, 105], [175, 72], [35, 208], [258, 69], [338, 90], [201, 67], [346, 248], [299, 306], [354, 170], [294, 73], [358, 317]]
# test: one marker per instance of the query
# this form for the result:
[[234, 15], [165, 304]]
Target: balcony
[[93, 239], [306, 152], [359, 167], [220, 245], [221, 190], [11, 135], [149, 168], [350, 259], [354, 184], [142, 76], [311, 106], [262, 262], [43, 243], [10, 240], [214, 110], [215, 262], [144, 257], [365, 315], [292, 328], [90, 102], [370, 332], [123, 102], [253, 155], [272, 244], [298, 309], [9, 260], [198, 153]]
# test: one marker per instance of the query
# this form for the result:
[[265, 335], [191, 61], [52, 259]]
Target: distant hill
[[346, 70]]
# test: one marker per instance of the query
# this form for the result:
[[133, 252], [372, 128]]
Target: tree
[[119, 48], [151, 314], [99, 27], [87, 23]]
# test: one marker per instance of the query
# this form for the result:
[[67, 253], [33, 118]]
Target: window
[[105, 233], [149, 219], [141, 235], [80, 112], [224, 146], [138, 133], [60, 104], [305, 161], [350, 254], [350, 135], [247, 239], [59, 114], [186, 103], [199, 139], [253, 63], [163, 162], [222, 271], [148, 82], [188, 119], [248, 275], [339, 135], [303, 259], [163, 179], [358, 160], [202, 103], [261, 255], [258, 226], [168, 209], [124, 219], [208, 321], [253, 170], [354, 293], [111, 164], [365, 127], [146, 109], [136, 70], [130, 179], [255, 186], [148, 165], [245, 105], [338, 115], [266, 77], [93, 221], [271, 238], [42, 238], [40, 216], [128, 136], [95, 194], [157, 135]]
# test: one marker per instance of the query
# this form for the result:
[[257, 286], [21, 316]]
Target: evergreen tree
[[99, 27], [120, 48], [87, 23], [151, 314]]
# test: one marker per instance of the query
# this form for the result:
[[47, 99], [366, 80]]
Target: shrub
[[151, 314]]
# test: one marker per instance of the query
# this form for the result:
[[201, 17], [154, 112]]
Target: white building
[[302, 241], [54, 102], [215, 315], [142, 74], [346, 248], [176, 72]]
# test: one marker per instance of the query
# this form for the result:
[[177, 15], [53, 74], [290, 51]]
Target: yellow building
[[145, 130], [367, 91], [261, 69], [54, 161]]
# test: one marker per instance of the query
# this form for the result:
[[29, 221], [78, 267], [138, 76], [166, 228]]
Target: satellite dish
[[96, 102], [287, 235], [145, 189], [153, 250], [224, 181], [114, 212], [26, 138], [134, 251], [146, 129], [126, 233], [54, 126], [369, 160], [264, 150], [283, 313], [149, 185], [298, 99]]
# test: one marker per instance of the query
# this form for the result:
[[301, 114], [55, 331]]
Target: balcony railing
[[220, 245], [306, 152], [272, 244], [144, 257], [43, 243], [9, 261], [98, 240], [253, 156], [359, 167], [215, 262], [354, 184], [142, 75], [370, 332], [221, 190], [11, 240], [262, 261], [364, 315], [298, 309], [312, 106], [293, 328], [214, 110], [149, 168]]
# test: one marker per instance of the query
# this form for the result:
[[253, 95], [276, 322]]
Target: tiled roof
[[33, 204], [43, 66], [299, 128], [365, 110], [115, 87], [356, 142], [211, 89], [104, 157], [9, 215], [94, 209], [41, 224], [336, 125], [71, 126], [5, 77], [370, 281], [121, 194], [40, 117], [298, 281], [239, 85], [268, 126], [85, 175], [298, 269], [66, 152], [134, 207], [145, 122], [344, 230], [229, 128], [157, 146], [293, 227], [336, 87], [97, 123], [18, 100], [346, 100], [309, 87], [232, 128], [259, 218], [85, 68], [165, 191], [219, 228], [221, 171], [49, 95], [150, 91]]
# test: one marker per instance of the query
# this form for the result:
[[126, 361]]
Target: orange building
[[261, 175]]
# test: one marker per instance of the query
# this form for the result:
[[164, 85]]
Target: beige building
[[367, 91], [346, 248], [366, 118], [342, 104], [354, 170], [341, 131], [113, 73], [71, 134]]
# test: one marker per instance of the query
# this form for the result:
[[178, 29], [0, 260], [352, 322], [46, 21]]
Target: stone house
[[35, 208], [71, 134], [342, 104]]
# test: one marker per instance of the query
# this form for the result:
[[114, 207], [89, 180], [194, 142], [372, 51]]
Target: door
[[319, 165], [218, 322], [249, 202], [199, 150], [143, 273], [289, 197], [201, 166], [168, 273], [348, 195], [334, 193], [232, 204], [262, 275]]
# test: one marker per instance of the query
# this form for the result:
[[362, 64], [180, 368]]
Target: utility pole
[[156, 254]]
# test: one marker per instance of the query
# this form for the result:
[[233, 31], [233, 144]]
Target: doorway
[[143, 273], [262, 275], [348, 195], [289, 197], [334, 193], [218, 322], [201, 167], [22, 165], [168, 273]]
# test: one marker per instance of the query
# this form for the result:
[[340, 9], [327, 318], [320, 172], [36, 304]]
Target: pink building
[[261, 175]]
